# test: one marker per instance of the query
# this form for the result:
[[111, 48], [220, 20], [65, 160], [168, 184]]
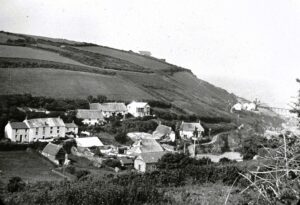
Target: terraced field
[[30, 53]]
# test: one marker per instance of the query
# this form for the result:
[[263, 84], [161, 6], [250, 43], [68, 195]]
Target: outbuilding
[[147, 161]]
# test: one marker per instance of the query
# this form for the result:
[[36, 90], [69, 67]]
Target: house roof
[[151, 157], [138, 104], [89, 114], [71, 125], [45, 122], [88, 142], [144, 146], [18, 125], [134, 136], [161, 131], [109, 107], [52, 149], [188, 126], [126, 160]]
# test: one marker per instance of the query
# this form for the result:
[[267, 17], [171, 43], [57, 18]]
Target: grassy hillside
[[67, 69]]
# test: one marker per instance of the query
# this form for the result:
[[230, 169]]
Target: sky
[[248, 47]]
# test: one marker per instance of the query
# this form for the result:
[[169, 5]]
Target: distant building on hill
[[90, 117], [190, 129], [147, 161], [110, 109], [145, 53], [139, 109]]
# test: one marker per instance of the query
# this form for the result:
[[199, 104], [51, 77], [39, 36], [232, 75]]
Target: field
[[131, 57], [25, 52], [4, 37], [67, 84], [29, 166]]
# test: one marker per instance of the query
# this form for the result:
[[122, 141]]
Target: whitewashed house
[[139, 109], [110, 109], [45, 128], [71, 127], [147, 161], [17, 131], [189, 129], [35, 129], [90, 117]]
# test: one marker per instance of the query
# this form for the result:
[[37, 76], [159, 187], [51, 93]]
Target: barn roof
[[45, 122], [188, 126], [109, 107], [18, 125], [71, 125], [151, 157], [161, 131], [89, 114], [88, 142], [52, 149], [144, 146]]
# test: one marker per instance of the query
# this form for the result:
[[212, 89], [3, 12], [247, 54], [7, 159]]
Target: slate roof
[[45, 122], [151, 157], [109, 107], [134, 136], [126, 161], [161, 131], [18, 125], [138, 104], [187, 126], [88, 142], [52, 149], [89, 114], [145, 146], [71, 125]]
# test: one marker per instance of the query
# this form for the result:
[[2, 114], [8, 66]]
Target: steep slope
[[68, 69]]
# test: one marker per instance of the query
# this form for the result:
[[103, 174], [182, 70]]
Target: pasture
[[30, 166], [143, 61], [31, 53]]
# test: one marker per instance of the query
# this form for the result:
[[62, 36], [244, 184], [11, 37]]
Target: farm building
[[35, 129], [110, 109], [144, 146], [17, 131], [164, 132], [90, 117], [55, 153], [138, 109], [188, 129], [86, 142], [135, 136], [71, 127], [147, 161]]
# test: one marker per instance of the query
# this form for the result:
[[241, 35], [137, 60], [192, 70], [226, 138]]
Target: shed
[[55, 153], [147, 161]]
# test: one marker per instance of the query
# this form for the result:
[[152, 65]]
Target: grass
[[31, 53], [30, 166]]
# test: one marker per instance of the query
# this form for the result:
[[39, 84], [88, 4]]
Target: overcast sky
[[249, 47]]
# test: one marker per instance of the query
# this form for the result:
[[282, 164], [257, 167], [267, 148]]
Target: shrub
[[15, 184], [82, 173], [71, 169], [112, 163]]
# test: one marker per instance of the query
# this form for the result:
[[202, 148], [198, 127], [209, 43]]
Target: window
[[16, 130], [25, 136], [16, 136], [37, 131], [44, 130], [140, 109], [140, 167], [57, 129]]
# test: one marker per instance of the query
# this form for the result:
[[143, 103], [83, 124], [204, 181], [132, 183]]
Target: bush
[[15, 184], [82, 173], [71, 169], [112, 163]]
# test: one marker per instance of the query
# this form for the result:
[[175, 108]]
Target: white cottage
[[139, 109], [90, 117], [45, 128], [189, 129], [110, 109], [147, 161], [71, 127], [17, 131]]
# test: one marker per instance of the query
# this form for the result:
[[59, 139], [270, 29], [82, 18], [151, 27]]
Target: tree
[[15, 184]]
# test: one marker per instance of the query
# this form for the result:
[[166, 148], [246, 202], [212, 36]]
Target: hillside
[[67, 69]]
